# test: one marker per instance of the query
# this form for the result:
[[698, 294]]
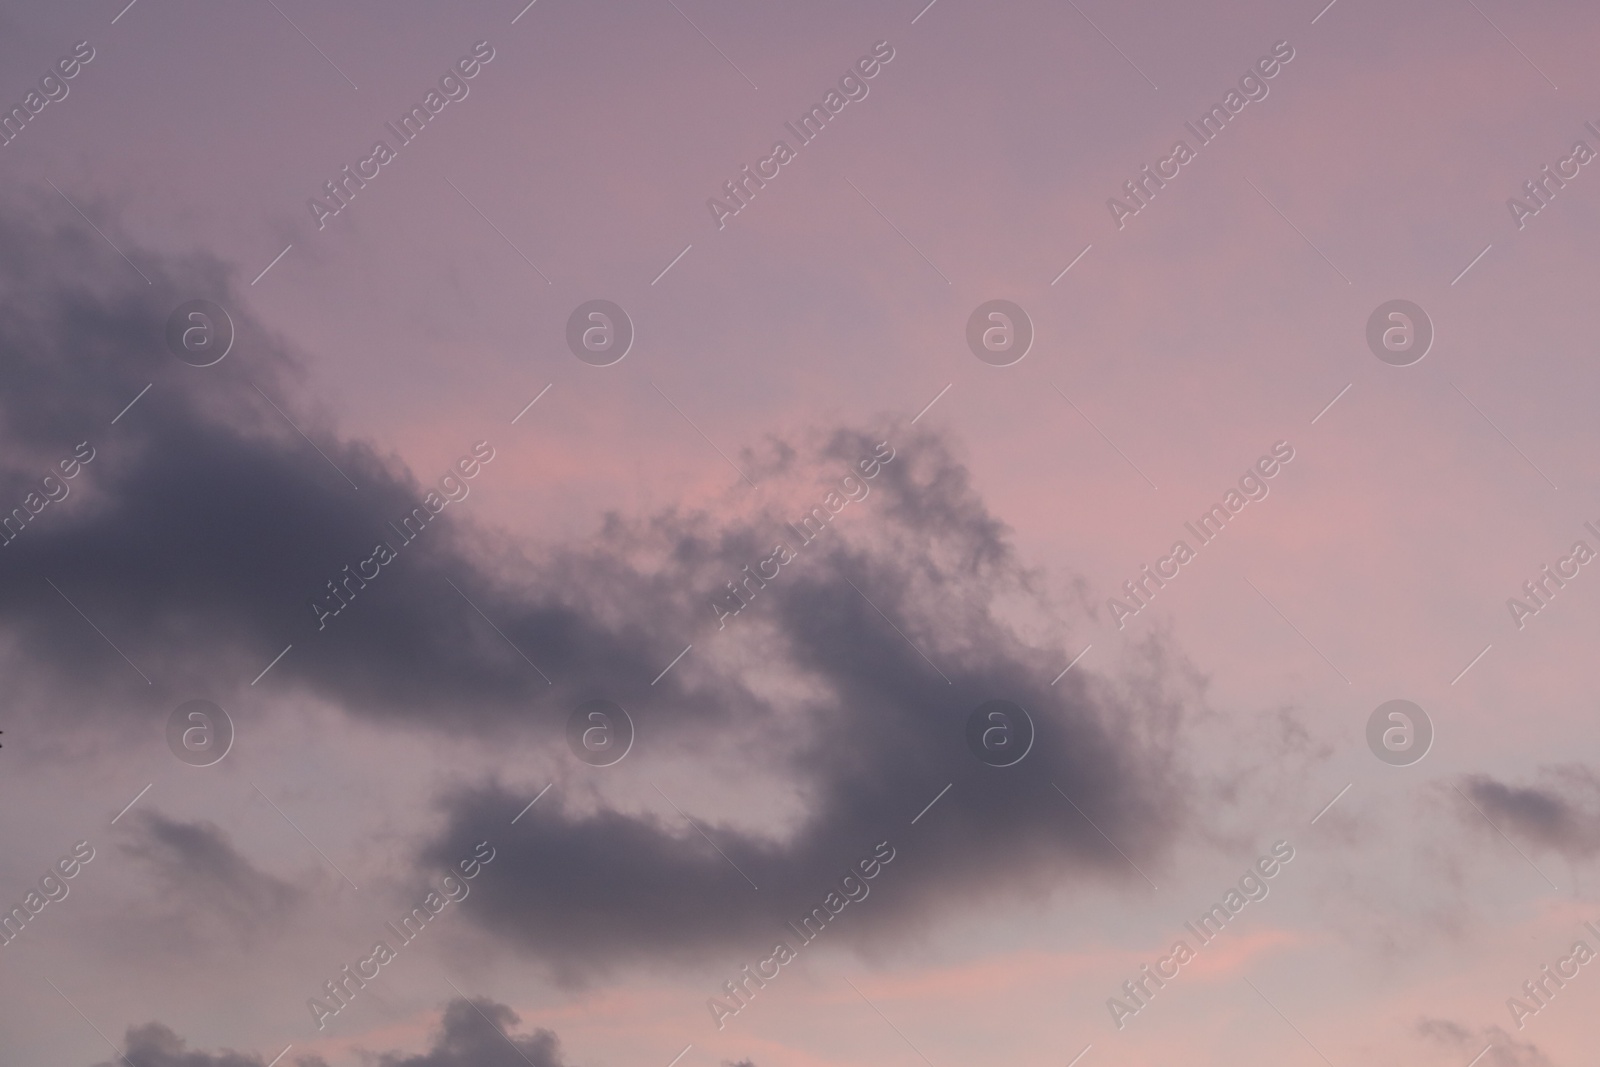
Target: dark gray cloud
[[200, 876], [877, 733], [1505, 1049], [475, 1033], [205, 523], [155, 1045], [1561, 813]]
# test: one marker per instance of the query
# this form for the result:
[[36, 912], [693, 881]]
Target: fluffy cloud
[[206, 887], [1506, 1049], [476, 1033], [207, 522], [155, 1045], [472, 1033], [843, 708], [1561, 813]]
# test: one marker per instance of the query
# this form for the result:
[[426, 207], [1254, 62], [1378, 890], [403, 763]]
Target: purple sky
[[568, 157]]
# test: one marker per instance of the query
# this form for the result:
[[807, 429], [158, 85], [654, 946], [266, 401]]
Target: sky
[[700, 534]]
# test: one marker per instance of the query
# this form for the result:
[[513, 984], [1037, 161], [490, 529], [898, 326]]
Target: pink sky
[[1221, 319]]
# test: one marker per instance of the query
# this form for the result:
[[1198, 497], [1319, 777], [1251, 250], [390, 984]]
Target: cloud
[[1505, 1050], [206, 523], [472, 1033], [202, 876], [1562, 813], [155, 1045], [849, 680], [476, 1033]]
